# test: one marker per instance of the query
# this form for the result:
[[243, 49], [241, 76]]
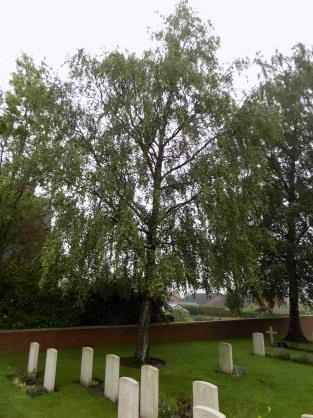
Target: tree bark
[[143, 334], [143, 331], [295, 333]]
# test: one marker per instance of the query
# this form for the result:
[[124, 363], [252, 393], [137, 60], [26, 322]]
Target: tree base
[[295, 337], [134, 363]]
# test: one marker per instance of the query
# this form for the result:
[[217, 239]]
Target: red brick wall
[[18, 341]]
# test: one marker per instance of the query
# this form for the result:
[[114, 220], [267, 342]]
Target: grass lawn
[[283, 386]]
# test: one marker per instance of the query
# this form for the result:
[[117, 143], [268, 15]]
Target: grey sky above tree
[[99, 24]]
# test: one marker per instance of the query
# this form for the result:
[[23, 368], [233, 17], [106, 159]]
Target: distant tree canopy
[[156, 178], [23, 216]]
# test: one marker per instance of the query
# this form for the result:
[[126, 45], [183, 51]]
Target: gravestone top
[[112, 375], [50, 369], [258, 344], [149, 392], [86, 366], [205, 394], [206, 412], [226, 358], [33, 358], [128, 399]]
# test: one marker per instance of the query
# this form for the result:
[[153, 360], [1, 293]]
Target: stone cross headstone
[[149, 392], [86, 366], [205, 394], [206, 412], [128, 398], [50, 370], [226, 358], [112, 375], [33, 359], [271, 333], [258, 344]]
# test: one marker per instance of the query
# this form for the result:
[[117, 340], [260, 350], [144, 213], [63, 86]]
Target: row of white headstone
[[226, 355], [134, 400], [205, 397], [50, 367], [125, 390]]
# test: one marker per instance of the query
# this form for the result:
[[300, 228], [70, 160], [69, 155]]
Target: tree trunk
[[295, 333], [143, 333]]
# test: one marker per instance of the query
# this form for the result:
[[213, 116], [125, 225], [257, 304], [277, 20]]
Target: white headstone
[[112, 375], [205, 394], [226, 358], [306, 416], [33, 359], [206, 412], [50, 370], [149, 392], [128, 398], [258, 344], [86, 366]]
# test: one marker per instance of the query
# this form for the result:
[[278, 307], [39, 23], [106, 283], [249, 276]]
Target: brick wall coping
[[164, 324]]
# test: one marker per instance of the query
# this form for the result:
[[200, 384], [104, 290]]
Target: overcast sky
[[56, 28]]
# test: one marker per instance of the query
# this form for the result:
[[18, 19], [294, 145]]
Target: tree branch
[[181, 204], [193, 156]]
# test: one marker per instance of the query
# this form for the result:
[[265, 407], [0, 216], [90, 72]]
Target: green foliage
[[132, 131], [30, 384], [287, 266], [104, 303], [234, 301], [221, 312], [180, 315], [232, 200], [239, 371], [184, 406], [166, 410]]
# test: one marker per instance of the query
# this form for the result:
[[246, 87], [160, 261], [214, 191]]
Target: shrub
[[184, 406], [218, 311], [239, 371], [166, 410]]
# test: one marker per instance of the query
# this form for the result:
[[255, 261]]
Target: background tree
[[232, 201], [235, 301], [31, 293], [288, 89], [24, 217]]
